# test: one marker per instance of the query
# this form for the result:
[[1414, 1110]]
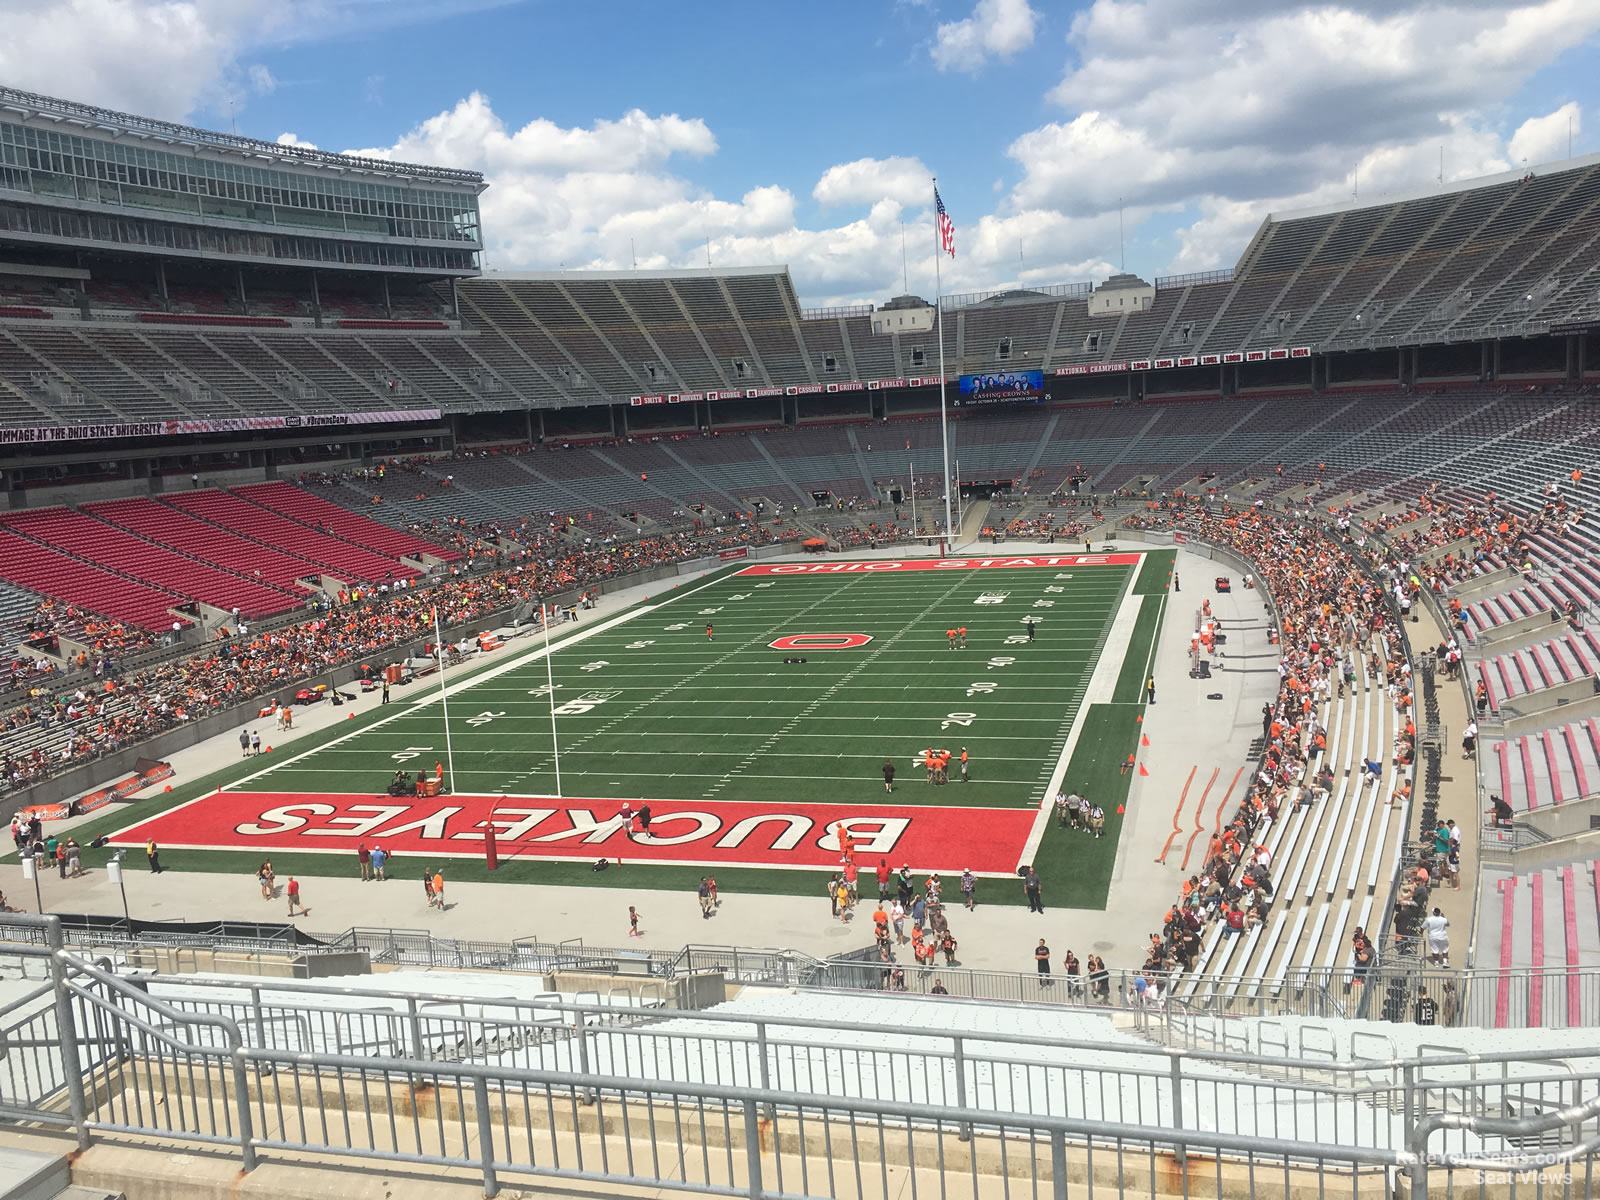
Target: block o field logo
[[821, 641]]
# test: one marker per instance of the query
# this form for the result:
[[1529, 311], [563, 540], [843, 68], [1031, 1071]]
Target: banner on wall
[[22, 434]]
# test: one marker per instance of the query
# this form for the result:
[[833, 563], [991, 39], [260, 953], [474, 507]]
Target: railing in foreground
[[779, 1107]]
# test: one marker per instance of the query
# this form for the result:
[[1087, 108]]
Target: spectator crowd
[[1334, 623]]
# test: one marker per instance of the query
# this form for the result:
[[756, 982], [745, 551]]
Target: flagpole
[[912, 468], [444, 694], [944, 424], [550, 679]]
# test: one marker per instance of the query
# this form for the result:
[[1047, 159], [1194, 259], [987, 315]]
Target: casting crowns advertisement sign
[[710, 832]]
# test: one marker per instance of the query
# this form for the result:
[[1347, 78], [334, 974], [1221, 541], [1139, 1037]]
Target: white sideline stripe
[[408, 709], [474, 853], [1102, 686]]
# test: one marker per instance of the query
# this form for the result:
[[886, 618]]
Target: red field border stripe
[[1199, 815], [1177, 813], [889, 566], [707, 832]]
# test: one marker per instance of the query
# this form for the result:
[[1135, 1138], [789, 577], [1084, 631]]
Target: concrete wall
[[188, 960]]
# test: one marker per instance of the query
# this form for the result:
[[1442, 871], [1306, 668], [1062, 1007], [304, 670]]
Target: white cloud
[[157, 58], [173, 59], [609, 194], [868, 180], [1207, 100], [471, 134], [260, 80], [996, 29], [290, 139], [1547, 138], [1232, 112]]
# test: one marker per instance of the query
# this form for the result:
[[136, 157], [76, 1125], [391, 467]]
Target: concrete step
[[31, 1174]]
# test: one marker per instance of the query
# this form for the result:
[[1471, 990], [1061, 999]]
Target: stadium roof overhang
[[118, 125], [664, 273]]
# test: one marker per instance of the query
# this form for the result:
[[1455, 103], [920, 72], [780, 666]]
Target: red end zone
[[709, 832], [888, 566]]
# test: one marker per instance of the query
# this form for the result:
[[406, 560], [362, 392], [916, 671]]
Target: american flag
[[947, 227]]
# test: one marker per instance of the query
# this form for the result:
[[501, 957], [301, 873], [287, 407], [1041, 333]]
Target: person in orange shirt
[[950, 638], [438, 888], [961, 632]]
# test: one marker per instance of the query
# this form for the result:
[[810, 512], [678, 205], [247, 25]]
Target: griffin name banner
[[707, 832], [889, 566]]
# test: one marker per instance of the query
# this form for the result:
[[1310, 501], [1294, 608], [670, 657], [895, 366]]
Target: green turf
[[1074, 866], [1131, 679], [1156, 573], [659, 711], [676, 717]]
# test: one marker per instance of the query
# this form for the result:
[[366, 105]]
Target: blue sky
[[805, 134]]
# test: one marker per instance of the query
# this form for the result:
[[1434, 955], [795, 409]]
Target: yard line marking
[[492, 673], [787, 730], [549, 760]]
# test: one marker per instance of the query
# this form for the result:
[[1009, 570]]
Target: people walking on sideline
[[633, 922], [153, 853], [293, 891]]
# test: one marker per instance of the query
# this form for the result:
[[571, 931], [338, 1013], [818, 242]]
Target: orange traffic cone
[[350, 717], [1142, 771], [1140, 718], [1144, 738], [1121, 809]]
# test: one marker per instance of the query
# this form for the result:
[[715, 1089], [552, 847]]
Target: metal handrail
[[354, 1078]]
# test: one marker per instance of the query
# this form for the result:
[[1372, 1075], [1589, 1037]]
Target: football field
[[753, 713]]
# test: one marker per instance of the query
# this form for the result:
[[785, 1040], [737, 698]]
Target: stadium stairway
[[1329, 860]]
